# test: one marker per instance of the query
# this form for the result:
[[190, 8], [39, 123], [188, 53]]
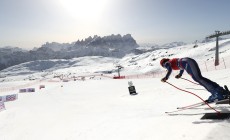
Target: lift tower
[[217, 35]]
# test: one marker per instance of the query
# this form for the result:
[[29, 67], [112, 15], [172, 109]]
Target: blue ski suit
[[192, 68]]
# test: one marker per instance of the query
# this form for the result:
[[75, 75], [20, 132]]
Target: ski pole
[[189, 81], [194, 95]]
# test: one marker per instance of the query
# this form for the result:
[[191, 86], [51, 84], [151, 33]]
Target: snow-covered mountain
[[112, 46], [173, 44], [10, 49], [57, 46], [148, 47], [12, 56], [107, 46]]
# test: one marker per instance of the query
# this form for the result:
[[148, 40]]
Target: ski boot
[[219, 94]]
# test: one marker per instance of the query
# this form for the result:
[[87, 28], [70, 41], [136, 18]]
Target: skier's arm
[[169, 68], [181, 72]]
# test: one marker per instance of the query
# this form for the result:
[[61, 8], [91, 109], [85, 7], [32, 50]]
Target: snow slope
[[102, 109]]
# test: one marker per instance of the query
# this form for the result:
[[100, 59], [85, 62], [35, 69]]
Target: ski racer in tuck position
[[192, 68]]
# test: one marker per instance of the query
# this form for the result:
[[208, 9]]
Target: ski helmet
[[163, 61]]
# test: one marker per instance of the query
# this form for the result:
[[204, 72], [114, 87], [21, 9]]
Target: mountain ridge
[[116, 46], [109, 46]]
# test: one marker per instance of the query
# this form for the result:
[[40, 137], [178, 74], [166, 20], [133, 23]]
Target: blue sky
[[31, 23]]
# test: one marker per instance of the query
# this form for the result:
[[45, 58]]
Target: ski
[[225, 101], [196, 105], [192, 105], [182, 109], [188, 107], [178, 110]]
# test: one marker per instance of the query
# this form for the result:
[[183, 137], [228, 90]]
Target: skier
[[192, 68]]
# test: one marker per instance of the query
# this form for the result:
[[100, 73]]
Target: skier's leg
[[193, 69]]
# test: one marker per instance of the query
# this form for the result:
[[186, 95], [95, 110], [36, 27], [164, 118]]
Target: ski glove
[[164, 79], [178, 76]]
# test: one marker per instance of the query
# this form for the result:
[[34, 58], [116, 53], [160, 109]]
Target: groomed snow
[[102, 109]]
